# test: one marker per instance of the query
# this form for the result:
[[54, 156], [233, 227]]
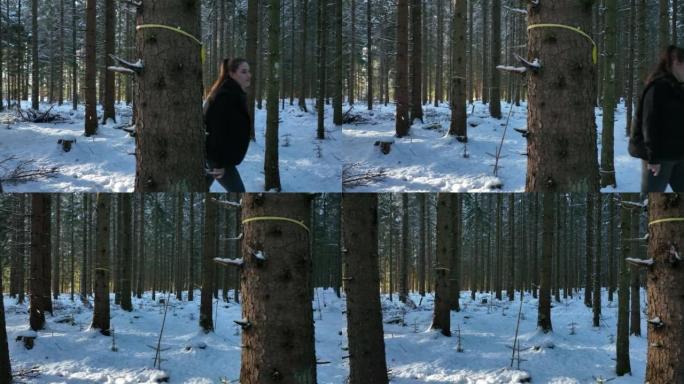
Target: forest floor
[[68, 352], [106, 162], [429, 160]]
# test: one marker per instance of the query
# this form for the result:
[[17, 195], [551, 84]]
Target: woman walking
[[228, 124], [658, 133]]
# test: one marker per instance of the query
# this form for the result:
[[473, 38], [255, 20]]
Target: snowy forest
[[354, 95], [335, 288]]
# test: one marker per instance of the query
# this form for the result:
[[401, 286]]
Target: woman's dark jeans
[[230, 181], [671, 172]]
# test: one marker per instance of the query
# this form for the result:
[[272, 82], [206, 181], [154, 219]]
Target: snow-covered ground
[[574, 353], [106, 162], [431, 161]]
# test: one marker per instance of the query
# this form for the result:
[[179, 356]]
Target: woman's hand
[[654, 168], [217, 172]]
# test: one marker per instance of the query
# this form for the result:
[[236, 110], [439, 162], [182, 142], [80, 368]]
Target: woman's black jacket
[[228, 126], [662, 120]]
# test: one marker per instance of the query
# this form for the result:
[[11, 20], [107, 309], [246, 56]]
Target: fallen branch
[[24, 170], [353, 176]]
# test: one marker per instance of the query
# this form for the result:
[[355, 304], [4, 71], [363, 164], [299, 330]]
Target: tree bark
[[596, 303], [665, 282], [337, 96], [364, 315], [441, 319], [402, 121], [320, 97], [39, 283], [91, 68], [622, 366], [6, 368], [416, 112], [369, 49], [126, 250], [302, 54], [208, 268], [403, 263], [544, 314], [589, 251], [635, 283], [271, 162], [102, 268], [459, 127], [110, 42], [495, 92], [35, 62], [169, 129], [567, 78], [439, 59], [278, 333]]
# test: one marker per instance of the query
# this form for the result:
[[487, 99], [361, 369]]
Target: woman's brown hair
[[664, 67], [227, 67]]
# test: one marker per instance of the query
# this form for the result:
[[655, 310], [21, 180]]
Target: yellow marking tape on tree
[[203, 52], [275, 218], [594, 52], [667, 220]]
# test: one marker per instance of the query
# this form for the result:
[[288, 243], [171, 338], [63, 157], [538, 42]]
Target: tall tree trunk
[[101, 311], [35, 62], [510, 290], [441, 319], [567, 78], [74, 58], [497, 243], [91, 68], [178, 279], [85, 268], [271, 166], [459, 113], [6, 368], [110, 41], [416, 62], [631, 55], [635, 282], [369, 53], [422, 243], [169, 130], [364, 316], [278, 332], [39, 285], [302, 55], [485, 50], [596, 303], [455, 263], [439, 59], [57, 247], [206, 321], [351, 85], [622, 366], [191, 250], [609, 98], [126, 250], [403, 263], [401, 97], [665, 362], [140, 285], [337, 96], [544, 314], [320, 97], [495, 92], [72, 246], [589, 258], [251, 53]]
